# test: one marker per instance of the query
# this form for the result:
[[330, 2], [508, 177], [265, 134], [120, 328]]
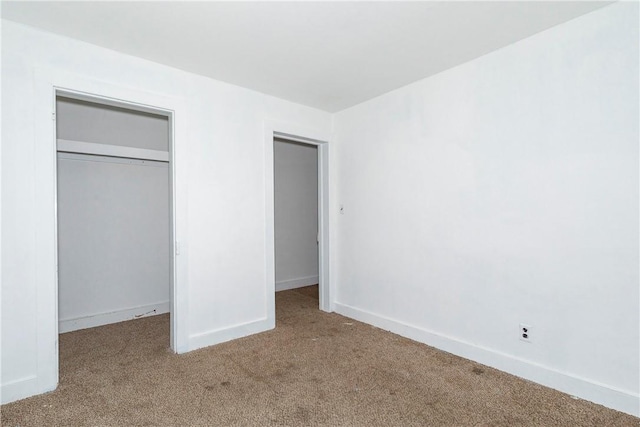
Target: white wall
[[296, 214], [113, 240], [221, 175], [502, 191], [100, 124]]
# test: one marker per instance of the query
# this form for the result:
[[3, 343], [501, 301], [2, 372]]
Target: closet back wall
[[113, 218]]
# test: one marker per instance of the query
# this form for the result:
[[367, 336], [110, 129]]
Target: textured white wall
[[296, 214], [502, 191], [222, 166]]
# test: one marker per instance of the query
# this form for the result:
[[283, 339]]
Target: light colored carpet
[[313, 369]]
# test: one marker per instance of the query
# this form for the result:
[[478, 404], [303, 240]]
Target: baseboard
[[68, 325], [620, 400], [301, 282], [20, 389], [219, 336]]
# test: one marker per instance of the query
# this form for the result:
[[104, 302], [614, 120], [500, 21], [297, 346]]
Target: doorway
[[114, 212], [291, 134], [296, 214]]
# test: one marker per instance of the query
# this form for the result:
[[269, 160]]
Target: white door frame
[[126, 151], [49, 83], [321, 141]]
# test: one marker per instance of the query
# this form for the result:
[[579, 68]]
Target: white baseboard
[[68, 325], [218, 336], [19, 389], [620, 400], [301, 282]]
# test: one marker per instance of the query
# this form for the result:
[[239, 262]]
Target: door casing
[[321, 141]]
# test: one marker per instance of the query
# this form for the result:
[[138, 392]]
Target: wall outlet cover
[[525, 332]]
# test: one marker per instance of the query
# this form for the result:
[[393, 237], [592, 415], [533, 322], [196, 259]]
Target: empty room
[[320, 213]]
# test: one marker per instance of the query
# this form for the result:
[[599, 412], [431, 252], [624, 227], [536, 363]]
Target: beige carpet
[[313, 369]]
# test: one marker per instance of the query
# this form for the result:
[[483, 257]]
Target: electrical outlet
[[525, 332]]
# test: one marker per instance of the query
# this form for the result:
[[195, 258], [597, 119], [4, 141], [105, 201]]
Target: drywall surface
[[220, 176], [101, 124], [296, 214], [113, 239], [500, 192]]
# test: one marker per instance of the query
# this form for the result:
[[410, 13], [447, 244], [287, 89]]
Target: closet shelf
[[68, 146]]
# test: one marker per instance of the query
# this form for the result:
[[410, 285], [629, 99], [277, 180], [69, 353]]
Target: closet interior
[[113, 205]]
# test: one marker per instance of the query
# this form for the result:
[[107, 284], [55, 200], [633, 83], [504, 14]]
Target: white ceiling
[[328, 55]]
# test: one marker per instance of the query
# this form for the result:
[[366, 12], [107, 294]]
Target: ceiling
[[327, 55]]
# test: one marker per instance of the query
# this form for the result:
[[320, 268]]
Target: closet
[[113, 204]]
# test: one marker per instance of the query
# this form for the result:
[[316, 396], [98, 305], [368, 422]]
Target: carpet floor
[[315, 368]]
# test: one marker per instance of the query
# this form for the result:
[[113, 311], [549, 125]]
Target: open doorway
[[114, 212], [296, 219], [293, 133]]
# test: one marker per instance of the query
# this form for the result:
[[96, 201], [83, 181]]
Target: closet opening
[[114, 214], [296, 223]]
